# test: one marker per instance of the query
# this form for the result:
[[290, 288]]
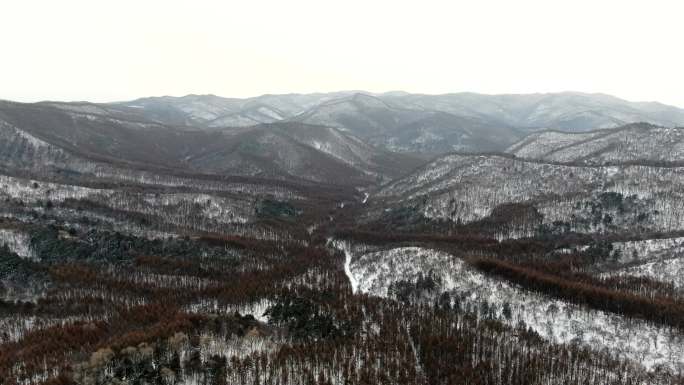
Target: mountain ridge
[[406, 122]]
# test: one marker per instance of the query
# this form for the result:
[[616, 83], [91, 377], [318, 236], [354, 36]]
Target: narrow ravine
[[347, 269]]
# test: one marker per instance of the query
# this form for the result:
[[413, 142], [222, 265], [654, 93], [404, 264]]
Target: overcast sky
[[118, 50]]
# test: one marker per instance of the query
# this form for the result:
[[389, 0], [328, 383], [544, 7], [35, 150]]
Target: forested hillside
[[172, 241]]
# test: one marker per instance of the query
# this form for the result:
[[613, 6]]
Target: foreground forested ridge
[[471, 269]]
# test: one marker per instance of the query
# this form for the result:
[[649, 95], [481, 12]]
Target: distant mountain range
[[216, 111], [413, 122], [350, 138], [58, 136]]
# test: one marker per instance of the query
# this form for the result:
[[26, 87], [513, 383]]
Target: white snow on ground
[[239, 347], [256, 309], [17, 327], [269, 112], [540, 145], [347, 265], [668, 270], [647, 344], [658, 259], [31, 191], [630, 144], [467, 188], [175, 206], [17, 241], [365, 197], [35, 142], [650, 249]]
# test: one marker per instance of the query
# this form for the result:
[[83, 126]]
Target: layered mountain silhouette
[[352, 138]]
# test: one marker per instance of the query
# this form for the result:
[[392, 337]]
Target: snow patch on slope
[[644, 343], [18, 242]]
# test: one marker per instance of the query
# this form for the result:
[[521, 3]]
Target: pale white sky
[[118, 50]]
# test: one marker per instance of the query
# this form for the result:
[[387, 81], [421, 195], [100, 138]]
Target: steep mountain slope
[[351, 150], [384, 272], [94, 132], [523, 195], [73, 136], [409, 130], [359, 112], [308, 152], [631, 143]]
